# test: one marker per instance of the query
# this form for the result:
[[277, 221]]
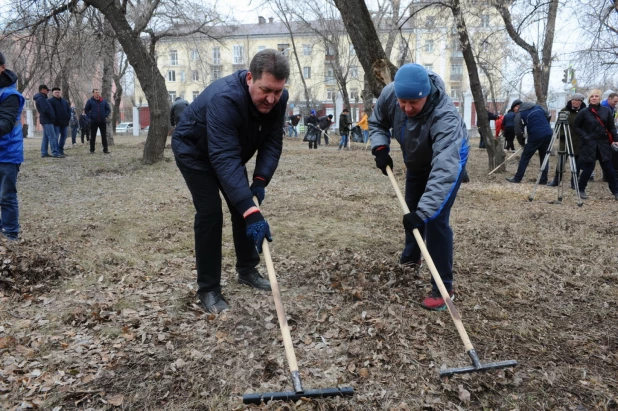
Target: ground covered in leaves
[[98, 308]]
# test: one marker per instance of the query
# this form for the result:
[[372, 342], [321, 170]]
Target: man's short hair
[[612, 95], [95, 89], [43, 87], [270, 61], [55, 88]]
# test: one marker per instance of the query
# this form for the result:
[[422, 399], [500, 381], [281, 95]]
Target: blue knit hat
[[412, 82], [313, 112]]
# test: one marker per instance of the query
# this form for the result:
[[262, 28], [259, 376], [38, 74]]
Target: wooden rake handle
[[434, 271], [283, 322]]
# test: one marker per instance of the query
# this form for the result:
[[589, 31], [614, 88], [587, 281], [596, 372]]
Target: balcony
[[456, 76], [329, 79], [240, 66]]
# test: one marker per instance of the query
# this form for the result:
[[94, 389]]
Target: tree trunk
[[366, 41], [147, 72], [108, 51], [475, 86]]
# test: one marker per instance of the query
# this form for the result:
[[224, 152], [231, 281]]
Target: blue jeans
[[365, 136], [437, 233], [9, 208], [292, 129], [49, 139], [74, 134], [61, 133], [344, 140], [541, 145]]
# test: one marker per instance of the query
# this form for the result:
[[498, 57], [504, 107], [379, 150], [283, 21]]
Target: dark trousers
[[509, 137], [208, 229], [85, 134], [608, 171], [541, 145], [437, 234], [313, 144], [93, 135]]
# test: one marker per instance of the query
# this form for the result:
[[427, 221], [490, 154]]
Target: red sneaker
[[435, 302]]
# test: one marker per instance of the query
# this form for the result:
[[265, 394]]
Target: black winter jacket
[[10, 106], [593, 135], [324, 123], [62, 111], [344, 123], [572, 114], [43, 106], [97, 110], [222, 129]]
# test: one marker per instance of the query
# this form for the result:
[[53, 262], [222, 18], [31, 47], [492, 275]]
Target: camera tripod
[[565, 148]]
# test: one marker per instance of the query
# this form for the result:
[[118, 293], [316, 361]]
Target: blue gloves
[[257, 230], [412, 221], [257, 188], [383, 159]]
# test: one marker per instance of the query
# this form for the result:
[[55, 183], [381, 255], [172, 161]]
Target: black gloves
[[412, 221], [257, 188], [257, 230], [383, 159]]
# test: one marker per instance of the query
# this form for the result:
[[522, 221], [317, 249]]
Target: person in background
[[74, 123], [610, 103], [84, 125], [293, 123], [344, 127], [97, 109], [311, 135], [598, 137], [535, 119], [11, 150], [324, 124], [364, 125], [47, 119], [234, 118], [573, 106], [435, 145], [508, 126], [62, 113]]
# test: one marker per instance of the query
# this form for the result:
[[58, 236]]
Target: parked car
[[124, 128]]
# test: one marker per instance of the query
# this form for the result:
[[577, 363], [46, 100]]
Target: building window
[[455, 93], [307, 72], [195, 75], [428, 67], [354, 94], [430, 21], [195, 94], [352, 51], [428, 46], [173, 57], [456, 69], [329, 74], [215, 72], [330, 94], [307, 49], [239, 52], [330, 50], [284, 48], [195, 55], [182, 76], [260, 48], [485, 20], [354, 72], [171, 75], [172, 95], [216, 55]]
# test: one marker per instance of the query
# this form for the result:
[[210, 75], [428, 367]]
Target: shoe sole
[[250, 284], [440, 308]]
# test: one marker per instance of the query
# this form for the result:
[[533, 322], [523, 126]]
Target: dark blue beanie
[[412, 82]]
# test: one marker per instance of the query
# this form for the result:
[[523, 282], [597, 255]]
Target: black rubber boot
[[253, 279]]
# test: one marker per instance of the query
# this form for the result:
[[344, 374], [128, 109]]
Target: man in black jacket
[[221, 130], [324, 123], [180, 104], [311, 135], [62, 112]]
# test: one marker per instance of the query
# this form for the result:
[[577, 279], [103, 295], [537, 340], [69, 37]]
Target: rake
[[476, 363], [298, 392]]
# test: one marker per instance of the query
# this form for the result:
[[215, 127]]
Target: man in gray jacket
[[435, 146]]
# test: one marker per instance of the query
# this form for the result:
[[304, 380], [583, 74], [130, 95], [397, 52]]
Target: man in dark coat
[[598, 137], [344, 127], [84, 125], [293, 122], [97, 109], [324, 123], [180, 104], [47, 119], [491, 116], [11, 150], [573, 106], [535, 119], [312, 133], [62, 113], [508, 125], [221, 130]]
